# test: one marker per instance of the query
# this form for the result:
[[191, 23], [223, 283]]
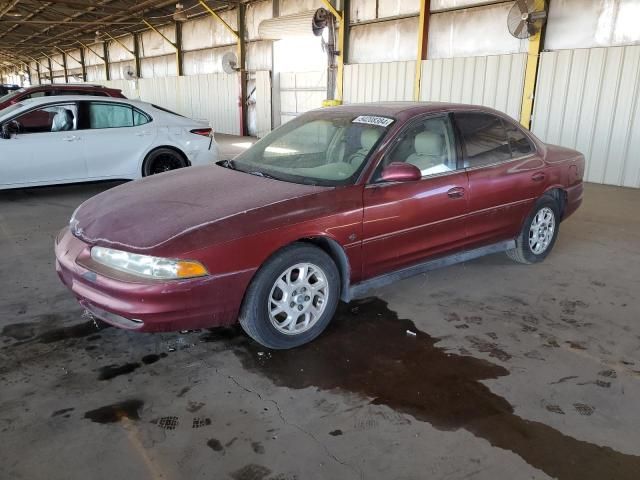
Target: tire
[[278, 303], [530, 249], [162, 160]]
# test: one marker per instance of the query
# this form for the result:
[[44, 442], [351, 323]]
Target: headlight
[[147, 266]]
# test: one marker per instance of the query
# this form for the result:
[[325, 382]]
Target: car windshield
[[320, 148], [10, 95]]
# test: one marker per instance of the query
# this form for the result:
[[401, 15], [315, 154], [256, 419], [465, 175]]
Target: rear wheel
[[539, 233], [162, 160], [292, 298]]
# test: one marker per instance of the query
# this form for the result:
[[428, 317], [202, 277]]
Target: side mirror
[[400, 172]]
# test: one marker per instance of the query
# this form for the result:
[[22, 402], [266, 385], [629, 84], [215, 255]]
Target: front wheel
[[539, 232], [292, 298]]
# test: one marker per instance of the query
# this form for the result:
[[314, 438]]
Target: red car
[[57, 89], [333, 203]]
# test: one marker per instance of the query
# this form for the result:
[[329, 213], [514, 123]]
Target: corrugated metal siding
[[301, 92], [263, 102], [495, 81], [588, 99], [211, 97], [375, 82]]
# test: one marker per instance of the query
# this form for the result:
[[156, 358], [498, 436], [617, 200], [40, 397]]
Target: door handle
[[538, 177], [456, 192], [70, 138], [142, 134]]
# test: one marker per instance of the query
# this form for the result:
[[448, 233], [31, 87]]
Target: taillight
[[205, 132]]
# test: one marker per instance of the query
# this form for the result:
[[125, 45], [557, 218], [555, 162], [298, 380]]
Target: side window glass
[[484, 139], [107, 115], [139, 118], [59, 118], [429, 145], [520, 144]]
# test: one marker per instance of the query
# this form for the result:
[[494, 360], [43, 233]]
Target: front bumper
[[149, 306]]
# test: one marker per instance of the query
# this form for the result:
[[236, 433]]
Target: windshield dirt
[[324, 148]]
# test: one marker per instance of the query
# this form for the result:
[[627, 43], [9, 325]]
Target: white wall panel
[[495, 81], [592, 23], [263, 102], [301, 92], [384, 42], [289, 7], [257, 12], [473, 31], [208, 32], [374, 82], [589, 99], [212, 98], [117, 53], [153, 45]]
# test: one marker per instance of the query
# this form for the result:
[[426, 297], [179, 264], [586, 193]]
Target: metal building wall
[[374, 82], [589, 99], [495, 81], [210, 97]]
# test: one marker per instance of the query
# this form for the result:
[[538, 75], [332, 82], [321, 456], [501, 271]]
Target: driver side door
[[45, 150], [407, 222]]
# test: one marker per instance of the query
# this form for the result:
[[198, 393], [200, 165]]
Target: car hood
[[149, 213]]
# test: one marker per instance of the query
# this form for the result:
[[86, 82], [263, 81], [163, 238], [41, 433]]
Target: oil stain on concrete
[[367, 351]]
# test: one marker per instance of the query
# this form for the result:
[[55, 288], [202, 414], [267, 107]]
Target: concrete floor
[[516, 372]]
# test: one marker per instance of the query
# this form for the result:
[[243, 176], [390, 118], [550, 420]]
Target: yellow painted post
[[423, 41], [531, 72], [342, 28]]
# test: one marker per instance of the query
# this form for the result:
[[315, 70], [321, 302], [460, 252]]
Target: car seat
[[368, 138], [429, 147]]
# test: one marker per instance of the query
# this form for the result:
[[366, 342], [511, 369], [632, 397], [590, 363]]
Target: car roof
[[75, 98], [69, 85], [405, 109]]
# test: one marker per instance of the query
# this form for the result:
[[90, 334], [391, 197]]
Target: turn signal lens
[[189, 269]]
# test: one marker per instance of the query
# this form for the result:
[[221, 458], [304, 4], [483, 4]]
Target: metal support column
[[105, 50], [423, 43], [136, 54], [242, 63], [64, 66], [50, 70], [179, 59], [38, 73], [83, 65], [531, 72], [342, 28]]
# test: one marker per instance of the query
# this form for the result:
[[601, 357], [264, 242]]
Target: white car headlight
[[147, 266]]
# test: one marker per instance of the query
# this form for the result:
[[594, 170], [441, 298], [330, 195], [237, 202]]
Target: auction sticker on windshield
[[373, 120]]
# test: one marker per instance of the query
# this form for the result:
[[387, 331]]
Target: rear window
[[167, 111]]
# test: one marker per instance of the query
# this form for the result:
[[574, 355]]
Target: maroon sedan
[[333, 203], [37, 91]]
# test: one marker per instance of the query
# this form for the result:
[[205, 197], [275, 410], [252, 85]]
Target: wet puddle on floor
[[367, 351]]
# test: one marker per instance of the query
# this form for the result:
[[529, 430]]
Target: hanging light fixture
[[98, 38], [180, 15]]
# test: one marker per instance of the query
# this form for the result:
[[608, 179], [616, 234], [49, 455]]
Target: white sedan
[[66, 139]]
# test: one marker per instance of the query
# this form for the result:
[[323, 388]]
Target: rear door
[[505, 175], [46, 149], [115, 137], [407, 222]]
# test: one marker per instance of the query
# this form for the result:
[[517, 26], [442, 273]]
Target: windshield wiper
[[262, 174], [227, 164]]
